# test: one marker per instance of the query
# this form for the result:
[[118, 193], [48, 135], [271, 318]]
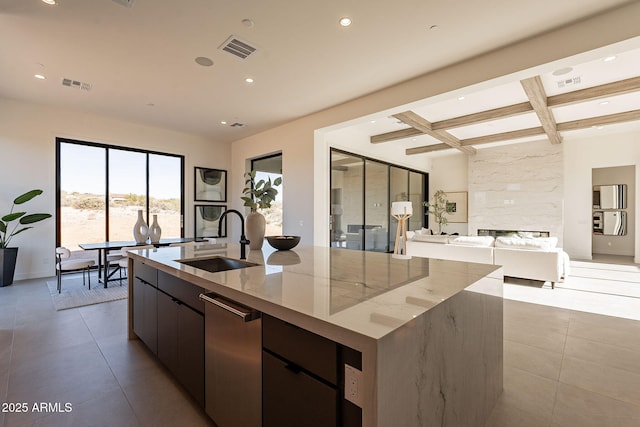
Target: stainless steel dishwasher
[[233, 363]]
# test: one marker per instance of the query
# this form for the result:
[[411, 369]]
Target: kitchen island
[[419, 341]]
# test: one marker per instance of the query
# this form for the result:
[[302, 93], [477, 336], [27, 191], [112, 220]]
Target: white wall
[[297, 177], [27, 137], [581, 156]]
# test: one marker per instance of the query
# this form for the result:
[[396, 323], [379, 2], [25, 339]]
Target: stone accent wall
[[517, 187]]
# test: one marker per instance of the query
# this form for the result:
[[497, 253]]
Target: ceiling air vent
[[571, 81], [125, 3], [76, 84], [237, 47]]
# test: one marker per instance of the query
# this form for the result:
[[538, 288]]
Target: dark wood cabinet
[[302, 372], [303, 378], [181, 333], [168, 331], [145, 313], [292, 396]]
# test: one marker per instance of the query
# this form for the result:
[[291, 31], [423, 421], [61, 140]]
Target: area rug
[[75, 295]]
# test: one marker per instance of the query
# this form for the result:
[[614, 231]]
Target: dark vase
[[8, 257]]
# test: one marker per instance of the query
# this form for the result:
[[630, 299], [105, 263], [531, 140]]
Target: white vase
[[256, 224], [140, 229], [154, 230]]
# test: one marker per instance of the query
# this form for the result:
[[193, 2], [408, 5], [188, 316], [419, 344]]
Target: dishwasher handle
[[245, 313]]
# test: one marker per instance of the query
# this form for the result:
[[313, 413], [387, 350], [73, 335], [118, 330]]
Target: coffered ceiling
[[160, 62], [595, 97]]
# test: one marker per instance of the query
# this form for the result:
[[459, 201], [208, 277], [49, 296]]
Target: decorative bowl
[[283, 243]]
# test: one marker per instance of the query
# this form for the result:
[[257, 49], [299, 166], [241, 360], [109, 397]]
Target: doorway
[[270, 167]]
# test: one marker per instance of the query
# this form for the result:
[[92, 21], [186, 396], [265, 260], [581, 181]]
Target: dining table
[[103, 249]]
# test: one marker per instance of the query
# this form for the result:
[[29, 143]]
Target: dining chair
[[123, 263], [64, 262], [113, 260]]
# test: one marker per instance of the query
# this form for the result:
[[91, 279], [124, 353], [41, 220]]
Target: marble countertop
[[345, 295]]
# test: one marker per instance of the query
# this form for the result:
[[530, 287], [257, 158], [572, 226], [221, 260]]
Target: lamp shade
[[401, 208]]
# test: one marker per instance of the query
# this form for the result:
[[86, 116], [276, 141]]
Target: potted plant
[[8, 256], [438, 208], [258, 195]]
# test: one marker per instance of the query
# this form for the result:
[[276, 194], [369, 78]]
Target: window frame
[[107, 147]]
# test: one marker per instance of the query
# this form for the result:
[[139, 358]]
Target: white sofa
[[520, 257]]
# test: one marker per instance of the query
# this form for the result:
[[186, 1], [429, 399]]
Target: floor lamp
[[401, 211]]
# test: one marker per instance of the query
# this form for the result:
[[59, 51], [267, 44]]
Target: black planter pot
[[8, 257]]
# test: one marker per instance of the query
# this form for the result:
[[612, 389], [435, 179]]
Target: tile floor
[[563, 367]]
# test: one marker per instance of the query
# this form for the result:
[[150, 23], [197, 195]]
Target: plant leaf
[[13, 216], [277, 181], [30, 219], [3, 227], [27, 196], [20, 231]]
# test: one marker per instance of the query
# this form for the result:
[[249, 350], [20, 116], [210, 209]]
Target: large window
[[100, 189], [362, 190], [270, 167]]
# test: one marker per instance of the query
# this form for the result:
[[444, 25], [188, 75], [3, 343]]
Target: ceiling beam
[[504, 136], [427, 149], [627, 116], [455, 122], [486, 139], [597, 92], [395, 135], [483, 116], [538, 98], [412, 119]]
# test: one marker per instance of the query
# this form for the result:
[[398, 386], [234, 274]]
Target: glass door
[[362, 190], [417, 193], [376, 202], [347, 209]]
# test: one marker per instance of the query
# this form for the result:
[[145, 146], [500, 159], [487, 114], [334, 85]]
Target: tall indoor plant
[[9, 255], [258, 195], [438, 208]]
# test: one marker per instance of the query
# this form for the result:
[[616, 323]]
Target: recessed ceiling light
[[610, 58], [151, 104], [52, 2], [345, 21], [248, 79], [461, 98], [39, 76], [247, 23], [597, 127], [604, 102], [433, 27], [372, 121], [223, 122], [204, 61]]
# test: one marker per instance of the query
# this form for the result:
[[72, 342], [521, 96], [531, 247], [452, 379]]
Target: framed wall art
[[210, 185], [457, 206], [207, 219]]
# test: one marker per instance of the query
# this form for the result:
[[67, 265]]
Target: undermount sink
[[217, 263]]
